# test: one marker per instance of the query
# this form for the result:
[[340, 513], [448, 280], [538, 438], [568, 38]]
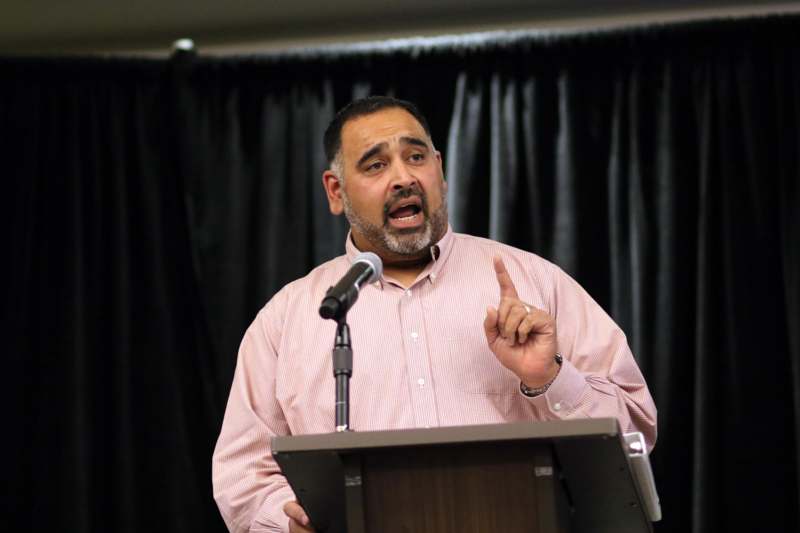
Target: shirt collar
[[439, 253]]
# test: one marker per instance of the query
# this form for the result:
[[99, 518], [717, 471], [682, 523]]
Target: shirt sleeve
[[599, 376], [249, 489]]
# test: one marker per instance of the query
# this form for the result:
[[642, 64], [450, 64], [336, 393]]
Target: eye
[[375, 166], [417, 157]]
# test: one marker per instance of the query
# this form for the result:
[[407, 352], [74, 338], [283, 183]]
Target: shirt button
[[433, 276], [414, 334], [421, 382], [557, 406], [408, 293]]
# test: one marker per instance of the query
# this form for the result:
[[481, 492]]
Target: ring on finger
[[527, 308]]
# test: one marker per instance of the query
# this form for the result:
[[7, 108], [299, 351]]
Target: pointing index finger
[[507, 288]]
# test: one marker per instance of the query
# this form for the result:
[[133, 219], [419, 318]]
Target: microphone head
[[372, 260]]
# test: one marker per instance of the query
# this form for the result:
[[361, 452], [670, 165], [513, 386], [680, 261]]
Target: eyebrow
[[371, 152], [415, 141]]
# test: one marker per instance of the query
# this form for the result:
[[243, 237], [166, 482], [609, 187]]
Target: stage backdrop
[[152, 207]]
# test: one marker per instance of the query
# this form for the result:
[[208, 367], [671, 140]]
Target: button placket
[[417, 364]]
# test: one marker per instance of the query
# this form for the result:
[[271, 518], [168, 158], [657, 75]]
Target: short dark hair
[[332, 139]]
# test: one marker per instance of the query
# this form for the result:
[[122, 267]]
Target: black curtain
[[155, 206], [113, 405]]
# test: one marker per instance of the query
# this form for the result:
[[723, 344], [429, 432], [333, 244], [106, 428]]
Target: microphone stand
[[337, 301], [342, 370]]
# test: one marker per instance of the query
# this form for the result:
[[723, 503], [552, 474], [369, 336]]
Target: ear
[[438, 155], [333, 189]]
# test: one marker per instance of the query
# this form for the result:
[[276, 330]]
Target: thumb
[[490, 325], [293, 510]]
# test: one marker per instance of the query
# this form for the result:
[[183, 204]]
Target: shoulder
[[300, 293], [481, 248], [535, 277]]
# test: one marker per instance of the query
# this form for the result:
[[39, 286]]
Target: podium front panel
[[548, 477]]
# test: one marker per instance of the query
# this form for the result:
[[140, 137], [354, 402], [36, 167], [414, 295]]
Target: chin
[[409, 241], [408, 231]]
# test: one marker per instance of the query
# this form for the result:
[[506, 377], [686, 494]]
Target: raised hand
[[522, 337]]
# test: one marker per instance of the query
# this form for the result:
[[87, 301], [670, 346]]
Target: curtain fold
[[112, 420], [155, 206]]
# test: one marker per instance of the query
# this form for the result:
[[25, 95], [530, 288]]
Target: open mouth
[[406, 212]]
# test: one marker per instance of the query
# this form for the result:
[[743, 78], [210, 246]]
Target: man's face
[[393, 192]]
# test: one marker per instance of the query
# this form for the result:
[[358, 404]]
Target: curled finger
[[515, 317]]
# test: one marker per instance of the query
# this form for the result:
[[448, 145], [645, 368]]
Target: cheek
[[437, 190], [368, 202]]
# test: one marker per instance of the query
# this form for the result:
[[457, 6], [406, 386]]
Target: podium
[[535, 477]]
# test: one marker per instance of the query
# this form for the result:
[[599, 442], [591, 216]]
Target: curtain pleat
[[468, 187], [565, 250]]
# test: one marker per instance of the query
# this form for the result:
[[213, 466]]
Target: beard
[[403, 242]]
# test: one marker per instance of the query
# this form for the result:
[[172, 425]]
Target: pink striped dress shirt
[[420, 360]]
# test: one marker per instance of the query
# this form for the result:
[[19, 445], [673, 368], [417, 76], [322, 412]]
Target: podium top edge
[[359, 440]]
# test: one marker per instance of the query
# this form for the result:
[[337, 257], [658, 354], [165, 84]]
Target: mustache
[[402, 194]]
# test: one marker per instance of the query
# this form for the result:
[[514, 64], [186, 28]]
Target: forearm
[[600, 377], [246, 507], [575, 394], [248, 486]]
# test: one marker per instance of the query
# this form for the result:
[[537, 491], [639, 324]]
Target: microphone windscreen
[[374, 261]]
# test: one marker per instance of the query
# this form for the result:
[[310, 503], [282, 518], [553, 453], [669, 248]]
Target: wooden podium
[[533, 477]]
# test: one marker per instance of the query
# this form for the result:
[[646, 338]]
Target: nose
[[402, 177]]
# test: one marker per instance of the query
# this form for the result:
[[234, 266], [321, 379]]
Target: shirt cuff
[[561, 398]]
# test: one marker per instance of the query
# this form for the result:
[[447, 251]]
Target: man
[[459, 330]]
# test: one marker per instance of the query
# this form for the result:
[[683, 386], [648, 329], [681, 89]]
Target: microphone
[[366, 268]]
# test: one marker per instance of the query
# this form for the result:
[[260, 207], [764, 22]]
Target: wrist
[[533, 391]]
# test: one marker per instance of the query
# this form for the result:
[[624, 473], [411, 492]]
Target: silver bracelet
[[538, 391]]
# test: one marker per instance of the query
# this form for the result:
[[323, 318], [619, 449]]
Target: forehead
[[384, 126]]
